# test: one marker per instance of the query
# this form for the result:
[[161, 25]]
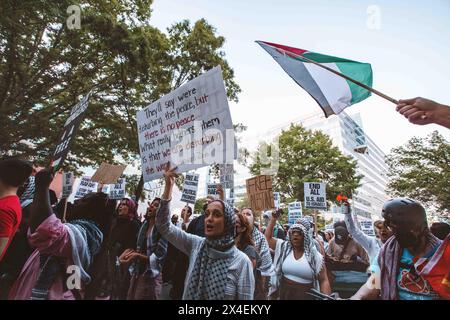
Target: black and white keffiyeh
[[29, 189], [262, 247], [313, 256], [209, 275]]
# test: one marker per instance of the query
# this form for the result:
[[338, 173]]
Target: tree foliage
[[198, 207], [306, 156], [45, 68], [420, 169]]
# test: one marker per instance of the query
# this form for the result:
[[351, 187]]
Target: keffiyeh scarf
[[209, 275], [262, 247], [313, 256]]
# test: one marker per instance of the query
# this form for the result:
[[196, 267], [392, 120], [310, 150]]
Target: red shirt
[[10, 217]]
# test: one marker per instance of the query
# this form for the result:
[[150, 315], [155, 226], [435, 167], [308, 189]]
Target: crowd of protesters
[[98, 248]]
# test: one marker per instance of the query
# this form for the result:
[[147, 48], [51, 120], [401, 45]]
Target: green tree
[[45, 68], [420, 169], [306, 156], [243, 202], [198, 207]]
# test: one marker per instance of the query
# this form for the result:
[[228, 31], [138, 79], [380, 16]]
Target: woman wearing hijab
[[298, 265], [217, 270]]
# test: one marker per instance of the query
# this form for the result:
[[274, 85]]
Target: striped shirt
[[240, 280]]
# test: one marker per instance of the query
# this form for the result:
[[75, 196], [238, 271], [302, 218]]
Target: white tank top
[[297, 270]]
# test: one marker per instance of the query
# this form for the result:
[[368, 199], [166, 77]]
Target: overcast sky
[[404, 42]]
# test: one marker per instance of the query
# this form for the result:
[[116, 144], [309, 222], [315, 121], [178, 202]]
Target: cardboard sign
[[85, 187], [68, 133], [191, 127], [315, 195], [117, 190], [295, 211], [190, 188], [226, 172], [67, 184], [108, 173], [212, 189], [259, 191]]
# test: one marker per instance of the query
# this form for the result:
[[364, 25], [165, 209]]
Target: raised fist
[[43, 178]]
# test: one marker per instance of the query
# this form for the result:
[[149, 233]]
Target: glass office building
[[346, 133]]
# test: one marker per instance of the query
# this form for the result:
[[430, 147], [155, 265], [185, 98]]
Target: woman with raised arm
[[217, 270], [299, 266]]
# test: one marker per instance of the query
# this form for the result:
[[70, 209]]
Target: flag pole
[[343, 76]]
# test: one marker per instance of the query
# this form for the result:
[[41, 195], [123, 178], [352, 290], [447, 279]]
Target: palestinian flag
[[436, 270], [332, 92]]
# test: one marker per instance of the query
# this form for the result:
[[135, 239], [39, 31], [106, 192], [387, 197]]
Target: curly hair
[[246, 238]]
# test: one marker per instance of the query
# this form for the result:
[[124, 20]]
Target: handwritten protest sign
[[108, 173], [294, 211], [191, 127], [315, 195], [259, 191], [85, 187], [117, 190], [190, 188], [226, 172], [67, 184], [68, 133]]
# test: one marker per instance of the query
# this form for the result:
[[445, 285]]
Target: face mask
[[407, 239], [341, 236]]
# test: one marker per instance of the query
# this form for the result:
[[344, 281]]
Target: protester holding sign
[[298, 265], [218, 270], [59, 246], [372, 245]]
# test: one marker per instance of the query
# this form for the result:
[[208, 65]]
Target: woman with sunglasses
[[299, 266]]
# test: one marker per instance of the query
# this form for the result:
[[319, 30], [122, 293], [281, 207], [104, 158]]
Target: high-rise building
[[346, 133]]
